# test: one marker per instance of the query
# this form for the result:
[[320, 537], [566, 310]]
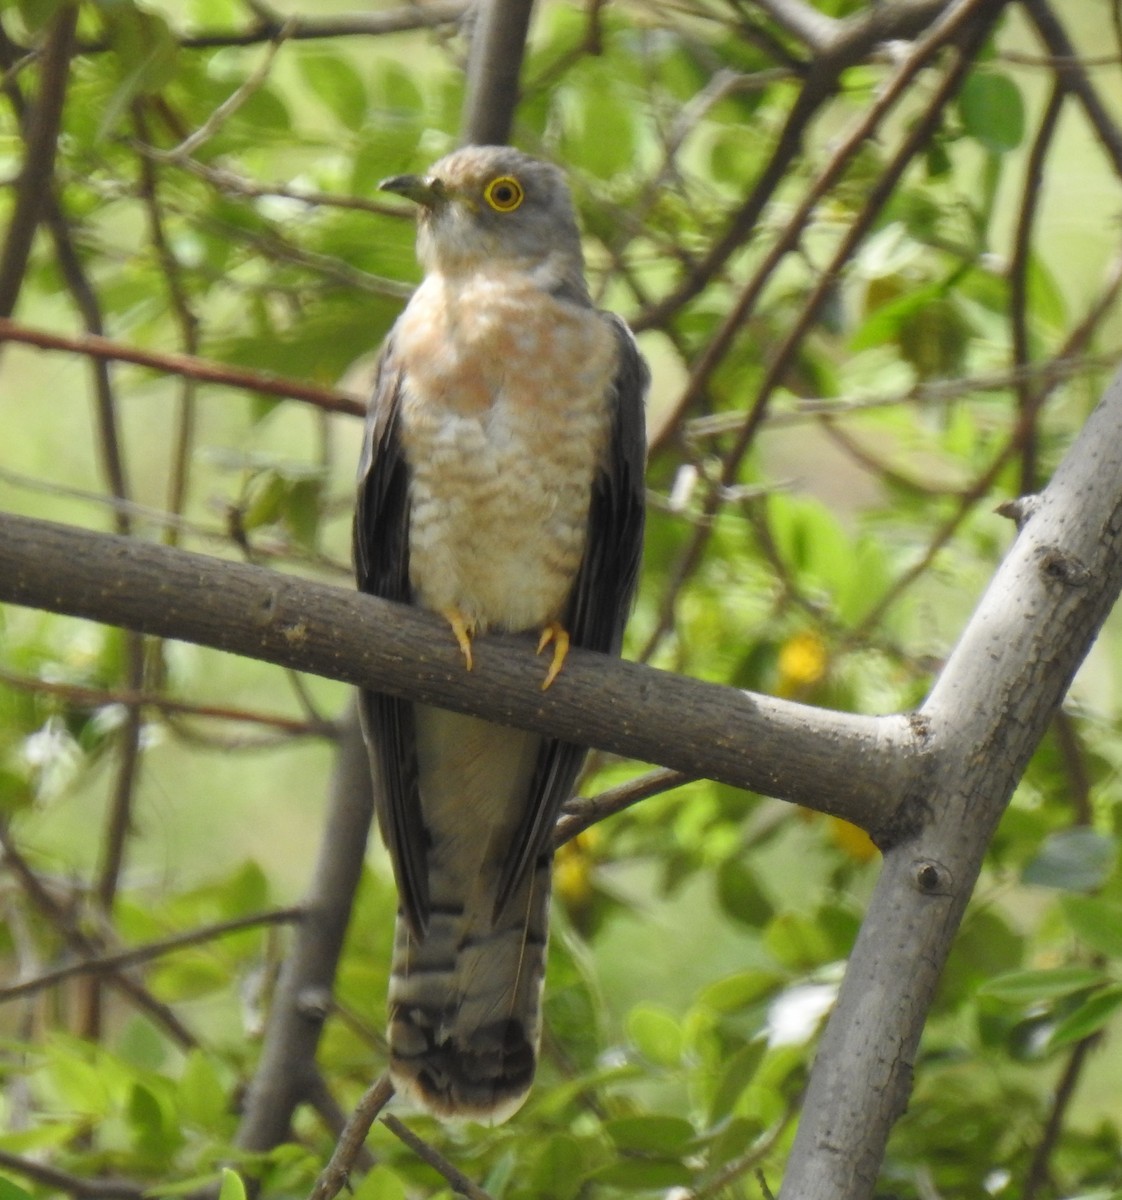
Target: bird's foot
[[554, 632], [463, 630]]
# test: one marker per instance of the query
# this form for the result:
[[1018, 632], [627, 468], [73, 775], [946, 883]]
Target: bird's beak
[[426, 192]]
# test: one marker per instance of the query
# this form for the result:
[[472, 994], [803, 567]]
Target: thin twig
[[950, 26], [1038, 1174], [579, 814], [41, 122], [224, 111], [230, 182], [206, 370], [1018, 276], [72, 1185], [334, 1177], [85, 945], [458, 1181], [122, 959], [1074, 79]]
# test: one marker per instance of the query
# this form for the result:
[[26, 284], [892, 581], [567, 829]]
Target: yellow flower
[[572, 869], [802, 663], [851, 840]]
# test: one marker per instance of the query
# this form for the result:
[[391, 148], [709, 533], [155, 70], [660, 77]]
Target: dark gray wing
[[381, 555], [602, 594]]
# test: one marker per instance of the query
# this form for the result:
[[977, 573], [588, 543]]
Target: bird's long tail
[[465, 1000]]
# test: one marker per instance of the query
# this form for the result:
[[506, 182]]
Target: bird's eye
[[504, 194]]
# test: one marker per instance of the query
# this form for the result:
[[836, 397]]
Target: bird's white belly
[[499, 511]]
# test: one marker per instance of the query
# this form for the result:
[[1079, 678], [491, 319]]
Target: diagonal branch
[[42, 121], [987, 713]]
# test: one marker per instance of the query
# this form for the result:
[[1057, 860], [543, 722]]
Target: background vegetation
[[872, 253]]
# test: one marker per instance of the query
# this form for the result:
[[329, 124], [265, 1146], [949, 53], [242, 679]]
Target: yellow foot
[[559, 636], [464, 631]]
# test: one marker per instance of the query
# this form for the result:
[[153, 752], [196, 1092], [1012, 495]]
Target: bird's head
[[492, 206]]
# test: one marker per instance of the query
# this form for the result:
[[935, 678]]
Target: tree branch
[[987, 713], [1073, 77], [42, 122], [286, 1073], [187, 365], [104, 964], [858, 767], [73, 1185], [498, 44]]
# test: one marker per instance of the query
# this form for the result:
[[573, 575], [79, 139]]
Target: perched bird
[[501, 484]]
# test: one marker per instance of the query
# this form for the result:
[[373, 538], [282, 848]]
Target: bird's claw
[[559, 636], [463, 631]]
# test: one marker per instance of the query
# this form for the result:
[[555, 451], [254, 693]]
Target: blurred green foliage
[[699, 935]]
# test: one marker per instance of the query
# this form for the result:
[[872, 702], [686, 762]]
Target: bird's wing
[[601, 599], [381, 555]]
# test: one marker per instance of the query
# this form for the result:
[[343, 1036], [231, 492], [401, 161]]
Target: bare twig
[[579, 813], [224, 111], [460, 1183], [1018, 277], [120, 960], [83, 944], [334, 1177], [71, 1185], [207, 371], [41, 122], [1037, 1177], [1074, 79], [968, 20]]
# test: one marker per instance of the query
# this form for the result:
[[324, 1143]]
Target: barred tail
[[465, 1003]]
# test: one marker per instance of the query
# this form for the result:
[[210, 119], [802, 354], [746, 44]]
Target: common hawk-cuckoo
[[501, 484]]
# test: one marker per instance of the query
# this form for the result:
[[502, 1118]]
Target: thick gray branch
[[986, 715], [861, 768], [498, 45]]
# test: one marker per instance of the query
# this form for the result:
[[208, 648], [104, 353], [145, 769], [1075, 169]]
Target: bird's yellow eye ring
[[504, 194]]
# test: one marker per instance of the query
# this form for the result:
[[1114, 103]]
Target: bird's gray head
[[493, 205]]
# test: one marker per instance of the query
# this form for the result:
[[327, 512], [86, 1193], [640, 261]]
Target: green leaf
[[656, 1034], [643, 1174], [232, 1186], [379, 1183], [1088, 1018], [651, 1134], [146, 55], [335, 82], [739, 1072], [603, 135], [36, 14], [1096, 922], [202, 1098], [12, 1191], [1026, 987], [558, 1169], [992, 111], [1076, 860], [736, 992], [741, 896], [796, 941]]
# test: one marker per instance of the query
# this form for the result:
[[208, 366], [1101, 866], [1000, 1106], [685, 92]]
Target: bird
[[500, 485]]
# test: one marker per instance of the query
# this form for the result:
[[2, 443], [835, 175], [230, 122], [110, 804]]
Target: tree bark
[[287, 1070], [865, 769], [984, 718]]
